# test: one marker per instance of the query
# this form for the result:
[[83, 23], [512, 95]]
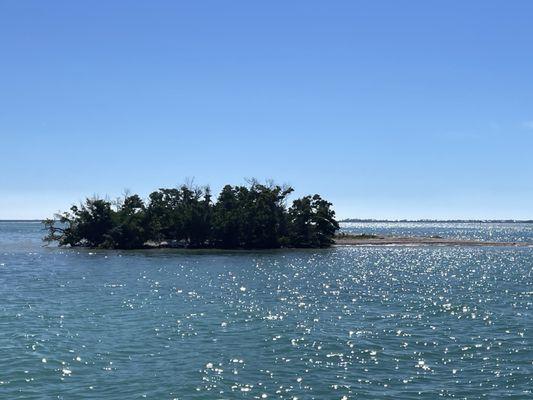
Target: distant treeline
[[253, 216], [456, 221]]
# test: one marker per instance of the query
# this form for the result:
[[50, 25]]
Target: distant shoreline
[[450, 221], [21, 220]]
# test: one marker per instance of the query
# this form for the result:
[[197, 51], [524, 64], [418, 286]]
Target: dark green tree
[[227, 219], [86, 225], [250, 217], [311, 222], [197, 213], [130, 229]]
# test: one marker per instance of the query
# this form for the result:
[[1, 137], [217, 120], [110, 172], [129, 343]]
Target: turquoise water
[[341, 323]]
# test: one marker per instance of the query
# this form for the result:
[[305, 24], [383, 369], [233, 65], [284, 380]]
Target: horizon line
[[428, 220]]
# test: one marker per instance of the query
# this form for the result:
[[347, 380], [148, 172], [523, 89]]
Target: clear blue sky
[[390, 109]]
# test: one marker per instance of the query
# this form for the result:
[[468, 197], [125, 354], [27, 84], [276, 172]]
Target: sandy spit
[[419, 241]]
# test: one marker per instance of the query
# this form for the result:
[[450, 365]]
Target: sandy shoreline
[[348, 240]]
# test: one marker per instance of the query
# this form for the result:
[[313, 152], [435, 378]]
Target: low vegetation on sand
[[253, 216], [344, 235]]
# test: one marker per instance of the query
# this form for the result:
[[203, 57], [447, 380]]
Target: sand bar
[[366, 240]]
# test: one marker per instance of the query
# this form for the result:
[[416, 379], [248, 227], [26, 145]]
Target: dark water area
[[340, 323]]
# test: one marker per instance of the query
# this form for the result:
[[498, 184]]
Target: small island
[[253, 216]]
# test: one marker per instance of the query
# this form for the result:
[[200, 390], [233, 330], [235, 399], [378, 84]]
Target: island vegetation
[[252, 216]]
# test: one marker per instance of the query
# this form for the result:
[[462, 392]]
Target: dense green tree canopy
[[253, 216]]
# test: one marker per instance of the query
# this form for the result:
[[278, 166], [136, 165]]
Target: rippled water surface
[[342, 323]]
